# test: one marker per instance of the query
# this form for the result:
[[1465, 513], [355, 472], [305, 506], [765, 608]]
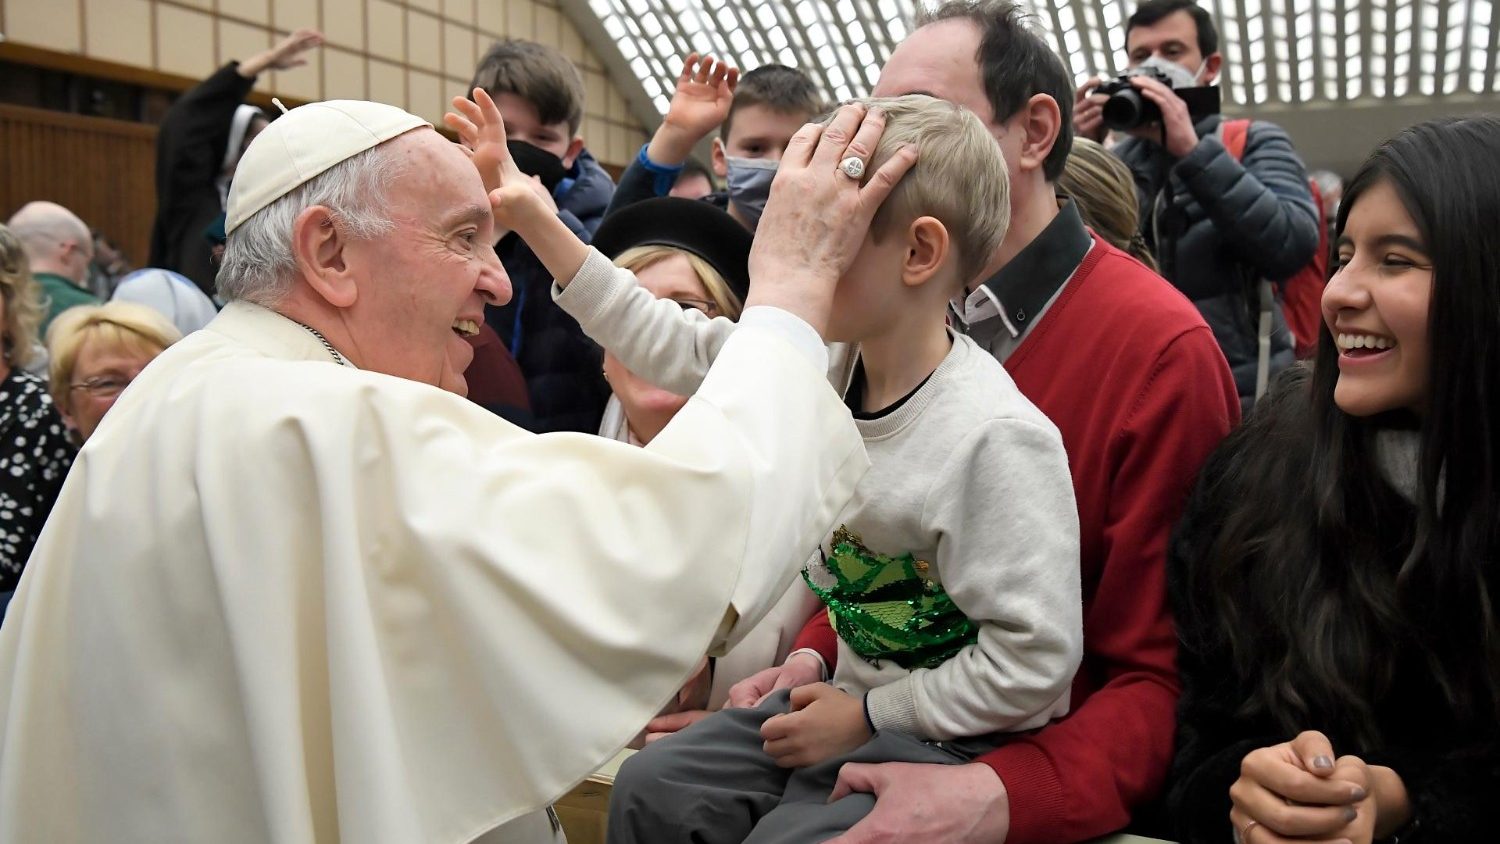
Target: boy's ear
[[927, 247], [574, 148], [720, 160], [319, 249]]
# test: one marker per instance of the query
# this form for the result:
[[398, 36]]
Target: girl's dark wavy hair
[[1319, 572]]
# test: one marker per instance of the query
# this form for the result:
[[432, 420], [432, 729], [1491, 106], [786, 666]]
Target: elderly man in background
[[293, 592], [60, 248]]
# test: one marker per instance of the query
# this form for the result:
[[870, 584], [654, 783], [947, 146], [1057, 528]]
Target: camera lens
[[1124, 110]]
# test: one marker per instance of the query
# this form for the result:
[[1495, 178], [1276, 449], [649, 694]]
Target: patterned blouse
[[34, 459]]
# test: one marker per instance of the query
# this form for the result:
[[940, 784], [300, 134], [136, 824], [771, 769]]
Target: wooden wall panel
[[101, 169]]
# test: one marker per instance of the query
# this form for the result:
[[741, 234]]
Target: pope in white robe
[[285, 598]]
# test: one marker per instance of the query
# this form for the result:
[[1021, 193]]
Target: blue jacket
[[562, 366], [1223, 226]]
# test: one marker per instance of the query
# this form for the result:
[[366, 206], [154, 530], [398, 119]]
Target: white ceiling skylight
[[1275, 51]]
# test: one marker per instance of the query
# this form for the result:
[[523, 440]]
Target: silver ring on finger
[[1243, 834], [853, 167]]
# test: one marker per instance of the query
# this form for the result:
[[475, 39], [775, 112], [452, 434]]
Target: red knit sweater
[[1130, 374]]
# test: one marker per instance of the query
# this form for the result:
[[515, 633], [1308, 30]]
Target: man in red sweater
[[1128, 371]]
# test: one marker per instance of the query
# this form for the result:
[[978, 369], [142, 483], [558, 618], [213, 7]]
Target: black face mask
[[535, 161]]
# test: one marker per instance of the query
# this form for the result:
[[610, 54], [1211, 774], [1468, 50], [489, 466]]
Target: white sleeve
[[659, 340]]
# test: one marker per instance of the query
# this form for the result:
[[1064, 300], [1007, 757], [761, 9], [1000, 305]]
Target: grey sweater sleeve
[[1007, 555], [657, 339], [1261, 205]]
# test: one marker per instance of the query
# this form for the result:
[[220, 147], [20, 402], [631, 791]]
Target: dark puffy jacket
[[1224, 226], [564, 369]]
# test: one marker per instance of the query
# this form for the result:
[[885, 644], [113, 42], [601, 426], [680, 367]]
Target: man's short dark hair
[[782, 89], [537, 74], [1152, 11], [1015, 65]]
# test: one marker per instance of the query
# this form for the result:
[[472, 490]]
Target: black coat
[[189, 156], [1452, 776], [564, 369], [1223, 226]]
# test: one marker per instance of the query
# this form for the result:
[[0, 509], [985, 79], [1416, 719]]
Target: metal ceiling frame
[[1348, 48]]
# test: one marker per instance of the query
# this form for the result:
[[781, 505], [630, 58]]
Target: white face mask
[[1181, 77]]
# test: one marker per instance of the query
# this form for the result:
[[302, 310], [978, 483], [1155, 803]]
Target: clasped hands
[[1299, 791]]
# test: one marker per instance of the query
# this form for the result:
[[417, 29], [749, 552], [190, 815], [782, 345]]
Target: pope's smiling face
[[426, 282]]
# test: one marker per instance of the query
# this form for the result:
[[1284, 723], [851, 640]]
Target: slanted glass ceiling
[[1275, 51]]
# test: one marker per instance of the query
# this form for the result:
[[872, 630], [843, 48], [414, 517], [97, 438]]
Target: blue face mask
[[750, 186]]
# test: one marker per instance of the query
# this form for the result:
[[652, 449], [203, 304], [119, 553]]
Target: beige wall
[[416, 54]]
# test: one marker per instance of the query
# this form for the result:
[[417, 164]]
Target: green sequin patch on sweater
[[887, 607]]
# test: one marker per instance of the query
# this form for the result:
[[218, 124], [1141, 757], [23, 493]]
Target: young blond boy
[[953, 581], [755, 115]]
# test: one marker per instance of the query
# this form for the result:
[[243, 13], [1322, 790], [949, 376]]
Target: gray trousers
[[713, 783]]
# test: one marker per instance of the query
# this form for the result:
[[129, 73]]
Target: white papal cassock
[[281, 600]]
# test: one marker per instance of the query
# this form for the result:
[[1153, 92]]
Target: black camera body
[[1126, 108]]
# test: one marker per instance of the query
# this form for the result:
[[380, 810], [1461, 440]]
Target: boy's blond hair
[[959, 178], [637, 258]]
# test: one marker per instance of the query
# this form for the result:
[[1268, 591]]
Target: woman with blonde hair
[[682, 250], [1104, 191], [97, 350], [34, 452]]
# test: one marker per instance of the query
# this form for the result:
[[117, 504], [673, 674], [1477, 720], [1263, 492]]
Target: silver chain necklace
[[337, 358]]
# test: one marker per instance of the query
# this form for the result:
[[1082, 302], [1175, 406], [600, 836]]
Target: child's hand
[[514, 196], [704, 92], [824, 723]]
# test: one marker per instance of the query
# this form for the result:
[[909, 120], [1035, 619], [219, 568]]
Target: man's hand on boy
[[515, 197], [705, 89], [824, 723]]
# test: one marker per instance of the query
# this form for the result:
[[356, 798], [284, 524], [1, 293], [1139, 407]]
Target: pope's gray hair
[[259, 264]]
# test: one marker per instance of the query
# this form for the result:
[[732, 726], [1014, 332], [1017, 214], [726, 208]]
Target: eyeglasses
[[103, 386], [708, 308]]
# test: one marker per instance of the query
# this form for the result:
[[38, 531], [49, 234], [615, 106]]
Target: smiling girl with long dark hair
[[1334, 576]]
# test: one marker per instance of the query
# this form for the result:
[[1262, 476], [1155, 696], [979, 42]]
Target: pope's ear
[[319, 247]]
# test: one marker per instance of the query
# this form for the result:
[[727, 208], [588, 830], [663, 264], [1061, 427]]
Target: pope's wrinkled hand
[[817, 216], [799, 669]]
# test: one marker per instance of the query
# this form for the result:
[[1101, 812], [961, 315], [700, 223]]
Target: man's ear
[[574, 148], [1211, 67], [1040, 120], [720, 159], [318, 247], [927, 247]]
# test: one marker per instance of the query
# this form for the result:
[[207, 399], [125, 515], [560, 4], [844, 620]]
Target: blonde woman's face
[[647, 406], [100, 373]]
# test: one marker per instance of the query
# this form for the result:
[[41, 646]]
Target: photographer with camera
[[1228, 217]]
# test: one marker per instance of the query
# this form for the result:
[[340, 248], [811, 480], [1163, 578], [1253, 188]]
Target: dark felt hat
[[691, 225]]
